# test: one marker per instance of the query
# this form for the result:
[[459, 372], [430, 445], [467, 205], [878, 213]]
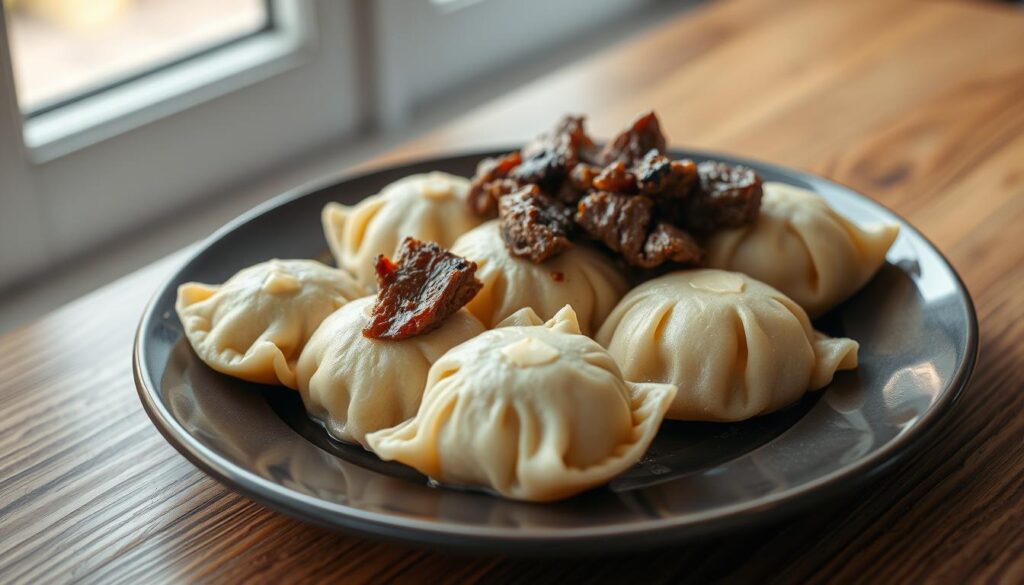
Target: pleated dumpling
[[255, 325], [356, 385], [430, 207], [735, 347], [802, 247], [581, 277], [532, 411]]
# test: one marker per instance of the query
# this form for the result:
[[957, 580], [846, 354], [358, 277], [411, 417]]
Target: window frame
[[100, 113], [188, 131]]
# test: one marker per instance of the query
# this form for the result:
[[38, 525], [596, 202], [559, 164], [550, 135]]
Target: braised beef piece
[[643, 135], [534, 225], [549, 159], [419, 290], [729, 196], [491, 182], [626, 224], [580, 180], [582, 176], [660, 176], [616, 178], [667, 242], [630, 195], [546, 162]]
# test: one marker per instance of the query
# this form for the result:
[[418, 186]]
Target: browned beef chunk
[[616, 178], [582, 177], [491, 182], [729, 196], [576, 185], [664, 178], [643, 135], [626, 224], [422, 288], [667, 242], [630, 195], [534, 225], [549, 159]]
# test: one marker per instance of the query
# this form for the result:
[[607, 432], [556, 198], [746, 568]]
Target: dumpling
[[429, 207], [735, 347], [580, 277], [356, 385], [533, 412], [255, 325], [802, 247]]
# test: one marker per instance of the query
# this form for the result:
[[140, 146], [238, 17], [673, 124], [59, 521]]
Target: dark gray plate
[[914, 321]]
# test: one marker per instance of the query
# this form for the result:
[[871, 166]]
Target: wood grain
[[919, 104]]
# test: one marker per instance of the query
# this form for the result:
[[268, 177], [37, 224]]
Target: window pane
[[63, 48]]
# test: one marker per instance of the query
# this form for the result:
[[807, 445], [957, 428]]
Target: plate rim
[[482, 538]]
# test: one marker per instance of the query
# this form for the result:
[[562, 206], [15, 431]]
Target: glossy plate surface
[[918, 343]]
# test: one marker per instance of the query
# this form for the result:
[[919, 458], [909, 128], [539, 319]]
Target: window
[[173, 100], [63, 49]]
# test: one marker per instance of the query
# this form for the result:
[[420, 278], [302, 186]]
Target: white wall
[[424, 50]]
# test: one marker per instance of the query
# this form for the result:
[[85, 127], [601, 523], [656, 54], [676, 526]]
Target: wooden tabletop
[[918, 104]]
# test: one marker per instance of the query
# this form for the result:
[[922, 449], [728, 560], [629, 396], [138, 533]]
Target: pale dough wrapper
[[430, 207], [356, 385], [255, 325], [580, 276], [802, 247], [533, 412], [735, 347]]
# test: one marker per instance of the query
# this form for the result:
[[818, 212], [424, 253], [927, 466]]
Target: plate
[[918, 343]]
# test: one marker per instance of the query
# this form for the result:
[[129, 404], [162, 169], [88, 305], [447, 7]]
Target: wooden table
[[919, 104]]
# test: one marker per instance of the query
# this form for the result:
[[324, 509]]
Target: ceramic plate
[[918, 343]]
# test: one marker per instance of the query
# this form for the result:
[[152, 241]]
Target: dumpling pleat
[[735, 347], [804, 248], [536, 413], [832, 354], [255, 325]]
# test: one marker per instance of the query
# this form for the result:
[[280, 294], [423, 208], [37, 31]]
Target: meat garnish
[[635, 141], [534, 225], [491, 182], [617, 178], [419, 290], [667, 242], [630, 195], [729, 196], [626, 224], [547, 160], [659, 175], [580, 180], [582, 176]]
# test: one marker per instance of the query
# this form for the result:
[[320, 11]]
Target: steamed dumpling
[[735, 347], [802, 247], [533, 412], [356, 385], [430, 207], [580, 277], [255, 325]]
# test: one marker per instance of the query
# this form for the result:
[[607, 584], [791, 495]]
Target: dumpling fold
[[580, 277], [430, 207], [356, 385], [255, 325], [735, 347], [533, 412], [804, 248]]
